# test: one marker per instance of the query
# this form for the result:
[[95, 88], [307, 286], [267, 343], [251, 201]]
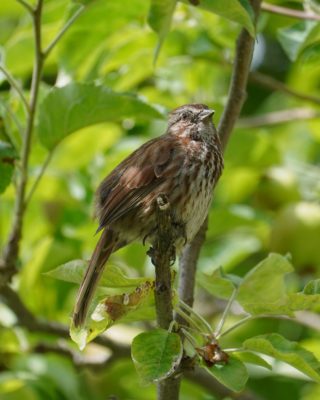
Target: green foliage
[[276, 346], [101, 96], [75, 106], [233, 374], [156, 354]]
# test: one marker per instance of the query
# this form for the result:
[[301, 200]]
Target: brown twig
[[289, 12], [278, 117], [162, 253], [274, 84]]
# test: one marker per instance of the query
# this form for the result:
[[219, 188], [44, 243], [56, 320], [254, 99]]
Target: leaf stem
[[51, 45], [203, 322], [26, 5], [225, 313], [39, 177], [15, 85]]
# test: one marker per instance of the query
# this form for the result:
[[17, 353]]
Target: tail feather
[[92, 275]]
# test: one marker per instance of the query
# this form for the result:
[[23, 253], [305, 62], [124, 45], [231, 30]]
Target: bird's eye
[[186, 115]]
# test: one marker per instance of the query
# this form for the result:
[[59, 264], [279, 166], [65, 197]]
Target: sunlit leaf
[[156, 354], [217, 284], [263, 289], [77, 105], [276, 346], [233, 374], [252, 358], [239, 11], [159, 18], [294, 38], [113, 276]]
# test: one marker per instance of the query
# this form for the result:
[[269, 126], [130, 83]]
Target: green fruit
[[296, 230]]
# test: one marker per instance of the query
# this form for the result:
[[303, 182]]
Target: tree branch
[[278, 117], [162, 253], [289, 12], [274, 84], [237, 89], [14, 84], [26, 5], [12, 248], [75, 16]]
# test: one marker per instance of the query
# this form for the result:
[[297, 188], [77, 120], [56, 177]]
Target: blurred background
[[267, 199]]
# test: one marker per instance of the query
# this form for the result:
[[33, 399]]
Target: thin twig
[[15, 85], [289, 12], [39, 177], [75, 16], [278, 117], [26, 5], [269, 82], [237, 90], [12, 248], [225, 313]]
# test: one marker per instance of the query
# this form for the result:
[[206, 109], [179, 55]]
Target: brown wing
[[136, 177]]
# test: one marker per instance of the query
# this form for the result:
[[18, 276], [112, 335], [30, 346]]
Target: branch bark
[[162, 253]]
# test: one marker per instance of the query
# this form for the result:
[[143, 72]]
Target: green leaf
[[217, 284], [239, 11], [7, 158], [156, 354], [263, 288], [113, 276], [233, 374], [312, 287], [276, 346], [159, 18], [294, 38], [77, 105], [134, 305], [252, 358]]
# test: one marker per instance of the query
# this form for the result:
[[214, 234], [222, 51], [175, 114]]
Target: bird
[[184, 164]]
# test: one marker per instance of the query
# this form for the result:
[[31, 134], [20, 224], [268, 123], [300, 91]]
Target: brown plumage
[[184, 163]]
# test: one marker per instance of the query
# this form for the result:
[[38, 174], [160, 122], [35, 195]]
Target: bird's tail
[[92, 275]]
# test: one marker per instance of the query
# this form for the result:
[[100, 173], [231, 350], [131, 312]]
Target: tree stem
[[12, 248]]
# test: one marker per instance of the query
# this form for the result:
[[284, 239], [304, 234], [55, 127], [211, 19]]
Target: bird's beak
[[206, 114]]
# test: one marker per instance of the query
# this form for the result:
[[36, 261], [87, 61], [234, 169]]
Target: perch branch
[[162, 253]]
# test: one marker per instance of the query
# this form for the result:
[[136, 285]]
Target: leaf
[[295, 37], [276, 346], [233, 374], [156, 354], [133, 305], [239, 11], [7, 159], [263, 289], [252, 358], [77, 105], [217, 284], [159, 18], [113, 276], [312, 287]]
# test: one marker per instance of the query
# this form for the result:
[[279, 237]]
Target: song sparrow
[[184, 164]]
